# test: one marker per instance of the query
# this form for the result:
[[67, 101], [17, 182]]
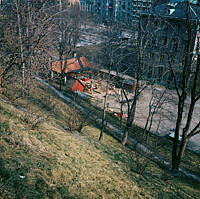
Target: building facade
[[168, 33], [139, 6], [119, 10]]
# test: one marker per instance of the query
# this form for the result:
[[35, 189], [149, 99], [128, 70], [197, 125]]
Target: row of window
[[165, 42], [156, 58], [160, 73], [123, 4], [163, 59]]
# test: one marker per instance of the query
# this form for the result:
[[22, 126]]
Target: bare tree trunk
[[121, 108], [61, 72], [104, 107], [132, 110], [148, 117], [21, 44], [176, 152], [130, 119], [104, 115], [149, 129], [175, 164], [185, 135], [158, 126]]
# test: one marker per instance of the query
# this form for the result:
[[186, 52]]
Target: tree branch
[[194, 132], [174, 77]]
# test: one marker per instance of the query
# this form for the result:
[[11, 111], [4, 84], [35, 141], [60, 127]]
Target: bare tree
[[131, 104], [139, 43], [109, 51], [28, 27], [156, 103], [112, 60], [67, 31], [182, 73], [186, 88]]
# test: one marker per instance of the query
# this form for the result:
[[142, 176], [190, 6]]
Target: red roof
[[74, 85], [70, 65]]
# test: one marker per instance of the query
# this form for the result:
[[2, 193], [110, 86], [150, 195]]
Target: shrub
[[4, 127], [32, 119], [75, 121]]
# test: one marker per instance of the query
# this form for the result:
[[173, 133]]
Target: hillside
[[41, 157]]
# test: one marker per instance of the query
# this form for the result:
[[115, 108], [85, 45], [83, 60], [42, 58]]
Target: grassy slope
[[61, 164]]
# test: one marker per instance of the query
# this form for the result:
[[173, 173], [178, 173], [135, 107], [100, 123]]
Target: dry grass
[[50, 162], [65, 164]]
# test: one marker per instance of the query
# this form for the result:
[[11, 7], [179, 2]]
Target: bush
[[32, 119], [4, 127], [75, 121]]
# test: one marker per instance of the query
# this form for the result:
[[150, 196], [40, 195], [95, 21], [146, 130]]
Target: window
[[178, 28], [165, 41], [160, 74], [144, 41], [142, 66], [175, 44], [166, 27], [160, 70], [154, 42], [183, 62], [150, 72], [152, 56], [185, 45], [198, 44], [155, 24], [161, 59]]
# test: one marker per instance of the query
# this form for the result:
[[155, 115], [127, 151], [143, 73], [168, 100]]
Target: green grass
[[52, 162]]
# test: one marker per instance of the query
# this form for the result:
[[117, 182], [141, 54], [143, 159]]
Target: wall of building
[[122, 10], [164, 45]]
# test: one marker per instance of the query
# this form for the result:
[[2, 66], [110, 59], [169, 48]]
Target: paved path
[[169, 115]]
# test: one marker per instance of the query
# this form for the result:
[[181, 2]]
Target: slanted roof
[[70, 65], [125, 79]]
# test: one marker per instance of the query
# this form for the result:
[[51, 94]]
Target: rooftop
[[70, 65], [177, 9]]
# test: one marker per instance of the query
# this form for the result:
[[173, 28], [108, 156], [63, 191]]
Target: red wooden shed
[[75, 85]]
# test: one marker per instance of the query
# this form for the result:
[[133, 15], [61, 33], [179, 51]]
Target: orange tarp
[[69, 65]]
